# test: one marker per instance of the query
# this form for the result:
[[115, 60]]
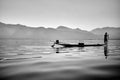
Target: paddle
[[53, 45]]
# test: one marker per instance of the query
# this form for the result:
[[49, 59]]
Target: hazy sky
[[83, 14]]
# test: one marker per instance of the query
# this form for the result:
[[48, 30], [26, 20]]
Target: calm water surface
[[37, 60]]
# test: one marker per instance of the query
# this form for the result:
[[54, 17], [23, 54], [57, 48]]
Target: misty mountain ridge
[[61, 32], [113, 32]]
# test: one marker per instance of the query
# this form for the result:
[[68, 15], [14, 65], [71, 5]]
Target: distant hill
[[113, 32], [61, 32]]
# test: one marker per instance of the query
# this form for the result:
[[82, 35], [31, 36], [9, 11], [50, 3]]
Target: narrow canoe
[[82, 45]]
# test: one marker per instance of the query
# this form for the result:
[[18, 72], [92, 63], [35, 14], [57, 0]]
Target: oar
[[53, 45]]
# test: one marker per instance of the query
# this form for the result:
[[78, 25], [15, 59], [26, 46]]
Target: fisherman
[[57, 42], [106, 37]]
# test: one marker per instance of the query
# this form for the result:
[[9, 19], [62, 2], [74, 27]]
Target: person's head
[[105, 33], [57, 41]]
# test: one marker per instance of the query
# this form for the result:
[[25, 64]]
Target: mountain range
[[61, 32], [112, 31]]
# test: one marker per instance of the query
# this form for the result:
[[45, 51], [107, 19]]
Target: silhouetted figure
[[106, 51], [106, 37], [57, 42]]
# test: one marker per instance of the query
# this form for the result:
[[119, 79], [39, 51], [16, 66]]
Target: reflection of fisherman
[[106, 51], [57, 50], [106, 37]]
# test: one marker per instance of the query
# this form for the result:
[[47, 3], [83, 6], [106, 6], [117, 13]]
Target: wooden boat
[[82, 44], [78, 45]]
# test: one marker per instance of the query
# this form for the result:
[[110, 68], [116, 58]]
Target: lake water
[[37, 60]]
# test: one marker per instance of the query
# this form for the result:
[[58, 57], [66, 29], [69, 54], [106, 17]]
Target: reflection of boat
[[78, 45]]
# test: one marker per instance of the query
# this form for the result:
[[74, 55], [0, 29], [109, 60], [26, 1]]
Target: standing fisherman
[[106, 37]]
